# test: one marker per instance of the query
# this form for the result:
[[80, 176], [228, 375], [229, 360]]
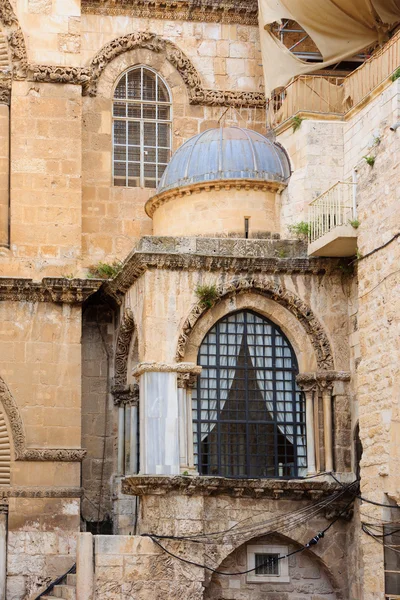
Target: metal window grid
[[392, 560], [267, 564], [240, 437], [141, 128]]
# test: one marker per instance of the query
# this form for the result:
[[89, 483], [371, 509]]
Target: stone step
[[68, 592], [71, 579]]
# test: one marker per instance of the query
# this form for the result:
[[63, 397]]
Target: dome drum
[[218, 179]]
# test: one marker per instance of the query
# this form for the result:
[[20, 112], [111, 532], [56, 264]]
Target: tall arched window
[[141, 128], [248, 413]]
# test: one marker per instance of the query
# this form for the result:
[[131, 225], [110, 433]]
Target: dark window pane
[[267, 564], [150, 134], [163, 113], [134, 84], [119, 109], [149, 111], [134, 133], [163, 95], [119, 132], [120, 90], [149, 85], [163, 135], [133, 153], [134, 111]]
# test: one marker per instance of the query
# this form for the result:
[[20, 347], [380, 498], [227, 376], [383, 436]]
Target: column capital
[[320, 380], [125, 395], [159, 367]]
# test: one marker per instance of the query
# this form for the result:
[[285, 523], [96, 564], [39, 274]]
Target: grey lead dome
[[225, 153]]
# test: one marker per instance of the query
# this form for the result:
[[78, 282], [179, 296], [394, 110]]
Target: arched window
[[248, 413], [141, 128]]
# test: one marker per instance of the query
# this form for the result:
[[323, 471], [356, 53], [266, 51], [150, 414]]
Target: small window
[[269, 564], [141, 129], [392, 560]]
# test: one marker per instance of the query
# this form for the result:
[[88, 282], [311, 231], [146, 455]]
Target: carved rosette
[[184, 66], [18, 54]]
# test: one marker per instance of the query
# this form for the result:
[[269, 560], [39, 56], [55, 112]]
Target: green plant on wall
[[396, 75], [207, 295], [301, 229], [369, 160], [104, 270], [296, 123], [354, 223]]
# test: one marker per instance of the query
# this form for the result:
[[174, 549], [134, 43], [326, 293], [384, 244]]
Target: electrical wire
[[295, 517], [312, 542]]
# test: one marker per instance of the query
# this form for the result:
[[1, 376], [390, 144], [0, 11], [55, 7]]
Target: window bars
[[141, 128], [248, 413]]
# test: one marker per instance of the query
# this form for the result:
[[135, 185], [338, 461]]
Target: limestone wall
[[45, 181], [98, 412]]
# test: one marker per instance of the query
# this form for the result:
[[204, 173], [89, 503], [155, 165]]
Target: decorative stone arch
[[170, 52], [298, 537], [21, 452], [317, 338], [12, 43], [122, 347]]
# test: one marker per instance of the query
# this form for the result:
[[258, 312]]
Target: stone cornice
[[59, 74], [244, 12], [139, 262], [50, 289], [41, 492], [156, 367], [207, 186], [143, 485]]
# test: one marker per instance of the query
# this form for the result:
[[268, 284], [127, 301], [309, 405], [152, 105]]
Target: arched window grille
[[248, 413], [141, 128]]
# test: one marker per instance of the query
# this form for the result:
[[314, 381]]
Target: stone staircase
[[65, 590]]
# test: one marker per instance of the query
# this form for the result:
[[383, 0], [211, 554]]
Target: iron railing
[[335, 95], [335, 207]]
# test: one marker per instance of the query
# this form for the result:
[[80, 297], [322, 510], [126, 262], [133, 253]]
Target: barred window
[[248, 413], [141, 128]]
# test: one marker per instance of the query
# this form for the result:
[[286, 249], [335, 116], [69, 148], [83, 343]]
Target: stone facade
[[96, 376]]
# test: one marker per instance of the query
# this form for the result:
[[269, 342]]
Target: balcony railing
[[335, 207], [337, 95]]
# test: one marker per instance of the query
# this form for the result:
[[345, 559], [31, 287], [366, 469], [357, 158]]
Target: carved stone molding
[[125, 395], [41, 492], [143, 485], [59, 74], [18, 435], [184, 66], [124, 338], [50, 289], [5, 88], [279, 294], [244, 12], [187, 380], [156, 367], [207, 186], [15, 37], [321, 380], [232, 261]]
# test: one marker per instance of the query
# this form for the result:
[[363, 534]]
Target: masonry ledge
[[339, 242], [300, 489]]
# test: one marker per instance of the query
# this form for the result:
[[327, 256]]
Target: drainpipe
[[354, 178]]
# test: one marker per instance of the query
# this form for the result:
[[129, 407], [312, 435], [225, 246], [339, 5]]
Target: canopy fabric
[[339, 28]]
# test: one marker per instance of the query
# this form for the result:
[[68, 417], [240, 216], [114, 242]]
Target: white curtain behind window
[[232, 333]]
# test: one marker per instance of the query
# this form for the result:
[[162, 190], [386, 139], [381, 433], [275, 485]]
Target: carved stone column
[[5, 85], [326, 387], [127, 400], [186, 382], [160, 428], [309, 387], [3, 549]]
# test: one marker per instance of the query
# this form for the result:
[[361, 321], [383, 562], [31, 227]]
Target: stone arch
[[184, 66], [122, 347], [300, 565], [278, 293], [12, 41], [21, 452]]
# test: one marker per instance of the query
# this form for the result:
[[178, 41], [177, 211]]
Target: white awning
[[339, 28]]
